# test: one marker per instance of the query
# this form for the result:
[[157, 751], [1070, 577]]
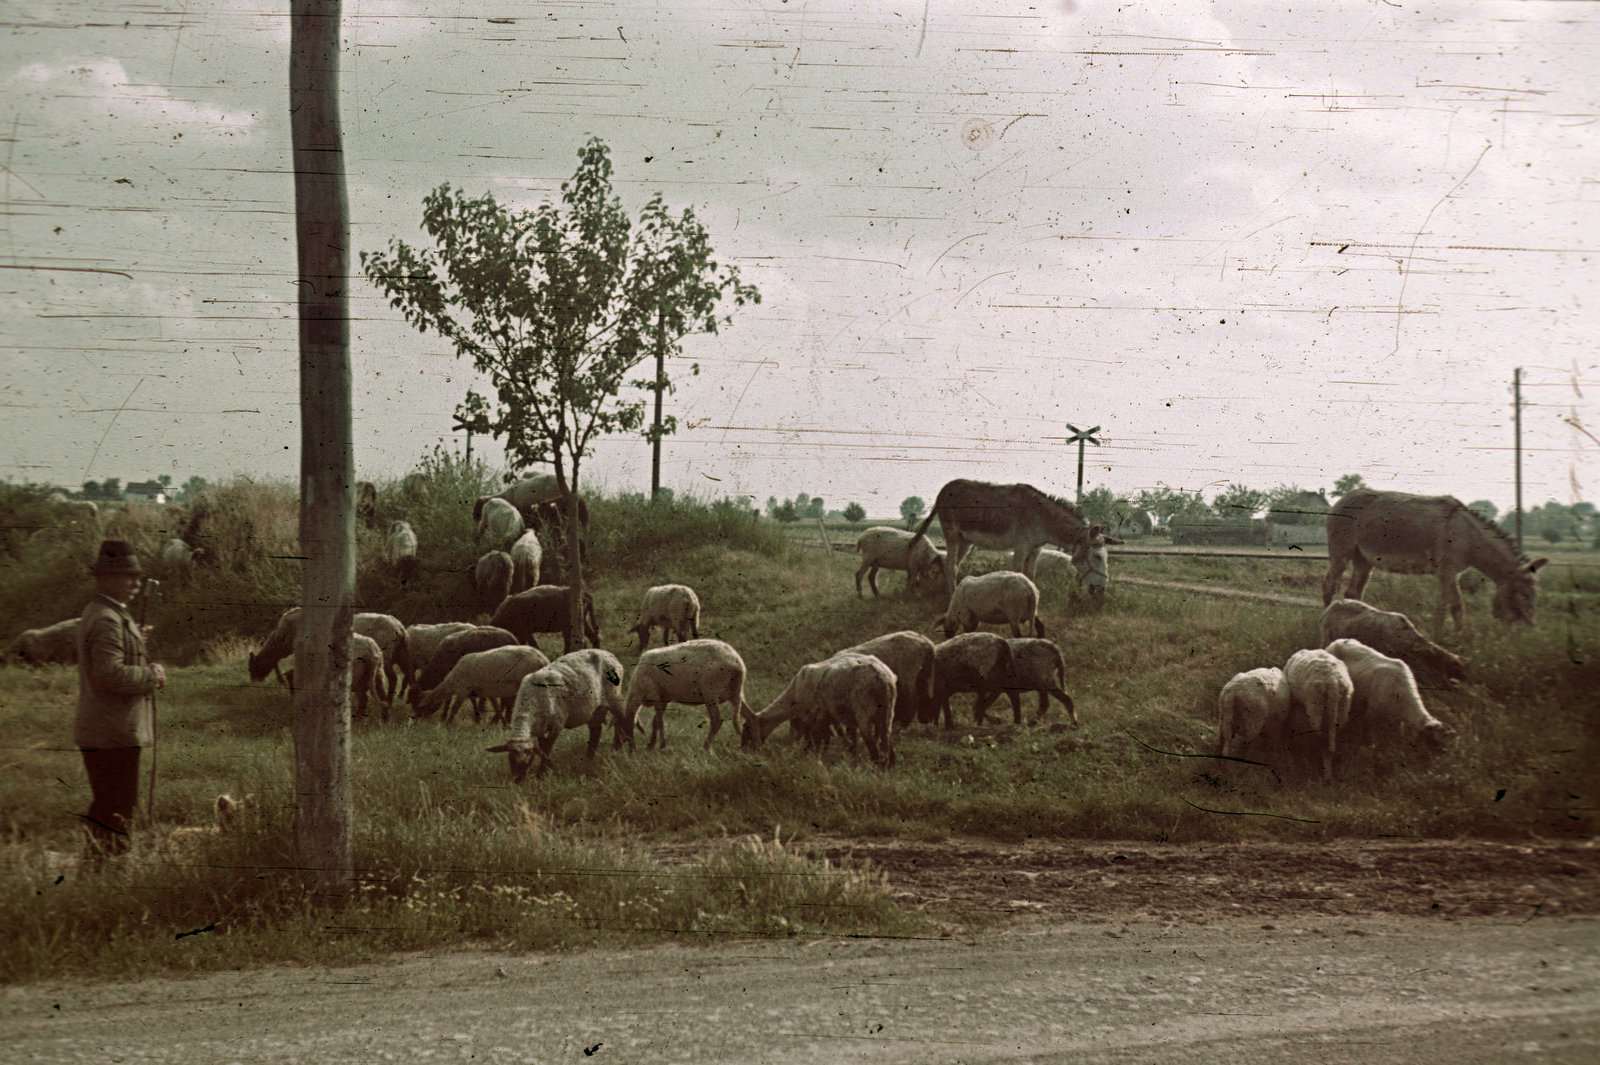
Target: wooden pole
[[1516, 393], [661, 386], [327, 467]]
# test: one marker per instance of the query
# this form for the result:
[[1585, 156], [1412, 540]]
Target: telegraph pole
[[1080, 437], [1516, 406], [661, 385]]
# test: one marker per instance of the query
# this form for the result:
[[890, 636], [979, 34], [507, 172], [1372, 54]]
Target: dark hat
[[116, 556]]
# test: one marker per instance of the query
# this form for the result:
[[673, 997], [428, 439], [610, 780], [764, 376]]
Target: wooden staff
[[151, 587]]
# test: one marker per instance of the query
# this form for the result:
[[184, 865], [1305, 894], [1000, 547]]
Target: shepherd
[[116, 680]]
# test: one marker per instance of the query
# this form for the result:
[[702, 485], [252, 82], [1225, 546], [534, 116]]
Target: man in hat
[[115, 679]]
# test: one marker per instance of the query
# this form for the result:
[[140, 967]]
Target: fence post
[[826, 546]]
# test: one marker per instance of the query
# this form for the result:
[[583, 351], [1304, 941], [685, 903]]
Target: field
[[692, 844]]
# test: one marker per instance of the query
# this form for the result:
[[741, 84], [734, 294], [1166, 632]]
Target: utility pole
[[661, 385], [1082, 436], [1516, 406], [327, 462]]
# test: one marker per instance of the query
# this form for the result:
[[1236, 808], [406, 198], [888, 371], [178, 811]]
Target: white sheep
[[1320, 692], [366, 671], [1252, 708], [1391, 634], [1036, 666], [526, 558], [675, 608], [56, 643], [422, 641], [1386, 698], [700, 672], [580, 688], [882, 547], [501, 521], [400, 547], [971, 662], [495, 675], [491, 579], [390, 636], [1000, 598], [910, 656], [851, 691], [177, 556]]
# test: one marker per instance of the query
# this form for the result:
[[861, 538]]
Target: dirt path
[[1226, 593]]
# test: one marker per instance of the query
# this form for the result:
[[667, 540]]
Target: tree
[[787, 512], [1165, 503], [911, 508], [1485, 508], [1112, 511], [855, 512], [193, 487], [772, 506], [1239, 503], [802, 503], [1290, 504], [165, 480], [556, 305], [814, 509], [1347, 484]]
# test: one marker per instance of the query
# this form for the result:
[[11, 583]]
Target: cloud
[[102, 85]]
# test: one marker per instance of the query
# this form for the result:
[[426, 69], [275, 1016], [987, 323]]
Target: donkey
[[1428, 534], [1003, 517]]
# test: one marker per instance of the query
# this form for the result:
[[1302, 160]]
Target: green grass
[[451, 852]]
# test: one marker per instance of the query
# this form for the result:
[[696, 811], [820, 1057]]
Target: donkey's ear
[[503, 748], [1533, 567]]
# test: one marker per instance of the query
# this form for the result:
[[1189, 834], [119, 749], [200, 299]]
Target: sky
[[1259, 243]]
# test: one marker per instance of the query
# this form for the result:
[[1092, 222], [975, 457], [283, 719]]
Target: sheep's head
[[519, 754], [1437, 737], [259, 666]]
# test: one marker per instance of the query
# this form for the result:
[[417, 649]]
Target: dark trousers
[[114, 781]]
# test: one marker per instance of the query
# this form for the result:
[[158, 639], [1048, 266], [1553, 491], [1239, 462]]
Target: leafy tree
[[1238, 502], [1347, 484], [556, 305], [1485, 508], [1118, 514], [772, 506], [911, 508], [91, 489], [1165, 503], [855, 512], [165, 480], [787, 512], [1290, 504], [814, 509], [802, 502]]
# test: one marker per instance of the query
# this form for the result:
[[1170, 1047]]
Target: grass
[[451, 853]]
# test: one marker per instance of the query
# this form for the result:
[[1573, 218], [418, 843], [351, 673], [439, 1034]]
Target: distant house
[[145, 492]]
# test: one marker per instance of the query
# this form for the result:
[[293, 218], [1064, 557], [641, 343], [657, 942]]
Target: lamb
[[501, 521], [1000, 598], [853, 691], [543, 608], [421, 643], [697, 672], [56, 643], [910, 656], [526, 557], [494, 674], [390, 636], [972, 662], [400, 548], [675, 608], [1386, 700], [450, 650], [1320, 692], [882, 547], [491, 579], [1253, 709], [576, 689], [1391, 634], [1036, 666]]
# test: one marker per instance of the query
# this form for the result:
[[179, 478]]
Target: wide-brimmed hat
[[116, 556]]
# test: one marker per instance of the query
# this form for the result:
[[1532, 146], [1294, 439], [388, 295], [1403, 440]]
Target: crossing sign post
[[1081, 437]]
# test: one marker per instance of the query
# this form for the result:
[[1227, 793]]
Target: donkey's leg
[[1360, 570]]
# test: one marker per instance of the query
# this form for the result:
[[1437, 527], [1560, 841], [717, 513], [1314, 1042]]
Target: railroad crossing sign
[[1081, 437]]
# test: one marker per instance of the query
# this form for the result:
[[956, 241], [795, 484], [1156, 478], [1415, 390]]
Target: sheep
[[1391, 634], [543, 608], [526, 495], [1036, 666], [1386, 699], [675, 608], [56, 643], [366, 671], [494, 674], [1320, 692], [415, 485], [526, 556], [697, 672], [552, 516], [1000, 598], [500, 521], [400, 547], [1253, 708], [1050, 561], [910, 655], [278, 645], [367, 502], [367, 662], [449, 652], [576, 689], [971, 662], [491, 579], [422, 641], [390, 636], [177, 556], [882, 547], [853, 691]]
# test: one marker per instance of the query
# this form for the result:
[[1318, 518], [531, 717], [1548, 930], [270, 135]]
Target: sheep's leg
[[658, 728], [981, 704], [872, 579], [864, 567], [1016, 705], [714, 715], [1066, 701]]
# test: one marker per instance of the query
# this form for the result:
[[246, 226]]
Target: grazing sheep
[[278, 646], [491, 579], [449, 652], [696, 672], [972, 662], [1051, 560], [366, 671], [882, 547], [390, 636], [484, 675], [400, 547], [1391, 634], [422, 641], [526, 557], [1386, 701], [526, 495], [178, 557], [910, 656], [1036, 666], [675, 608], [56, 643], [576, 689], [551, 516], [500, 521], [999, 598], [367, 502], [543, 608], [1320, 691], [852, 691], [1253, 709]]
